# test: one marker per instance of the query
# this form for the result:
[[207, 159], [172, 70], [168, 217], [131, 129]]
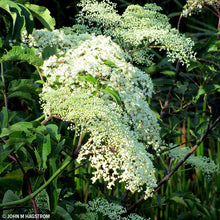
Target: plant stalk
[[32, 195]]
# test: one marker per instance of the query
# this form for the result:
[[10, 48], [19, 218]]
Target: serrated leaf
[[22, 54], [114, 94], [21, 95], [24, 85], [43, 15], [46, 150]]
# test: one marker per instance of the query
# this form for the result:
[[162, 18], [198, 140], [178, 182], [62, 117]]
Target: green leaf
[[63, 213], [151, 70], [22, 54], [169, 73], [48, 51], [194, 64], [52, 188], [212, 88], [42, 200], [13, 180], [43, 15], [1, 43], [58, 148], [3, 168], [3, 118], [201, 91], [179, 200], [29, 21], [39, 81], [4, 154], [36, 179], [89, 78], [20, 126], [160, 201], [202, 128], [38, 158], [9, 196], [114, 94], [110, 63], [20, 95], [17, 19], [46, 150], [53, 131], [181, 87]]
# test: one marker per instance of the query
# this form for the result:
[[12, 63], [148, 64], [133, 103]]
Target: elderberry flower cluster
[[197, 5], [204, 164], [91, 84], [101, 207], [137, 30]]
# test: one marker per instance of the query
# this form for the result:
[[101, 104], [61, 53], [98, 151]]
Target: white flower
[[205, 164], [197, 5], [117, 152], [111, 210]]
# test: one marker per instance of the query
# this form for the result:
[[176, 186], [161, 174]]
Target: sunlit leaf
[[114, 94], [43, 15]]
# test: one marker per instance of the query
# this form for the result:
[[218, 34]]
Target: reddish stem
[[213, 12], [14, 158], [167, 177]]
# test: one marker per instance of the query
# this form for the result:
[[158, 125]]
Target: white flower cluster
[[112, 211], [137, 30], [197, 5], [83, 82], [205, 164], [63, 39]]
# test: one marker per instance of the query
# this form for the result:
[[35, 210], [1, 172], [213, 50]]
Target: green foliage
[[22, 14]]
